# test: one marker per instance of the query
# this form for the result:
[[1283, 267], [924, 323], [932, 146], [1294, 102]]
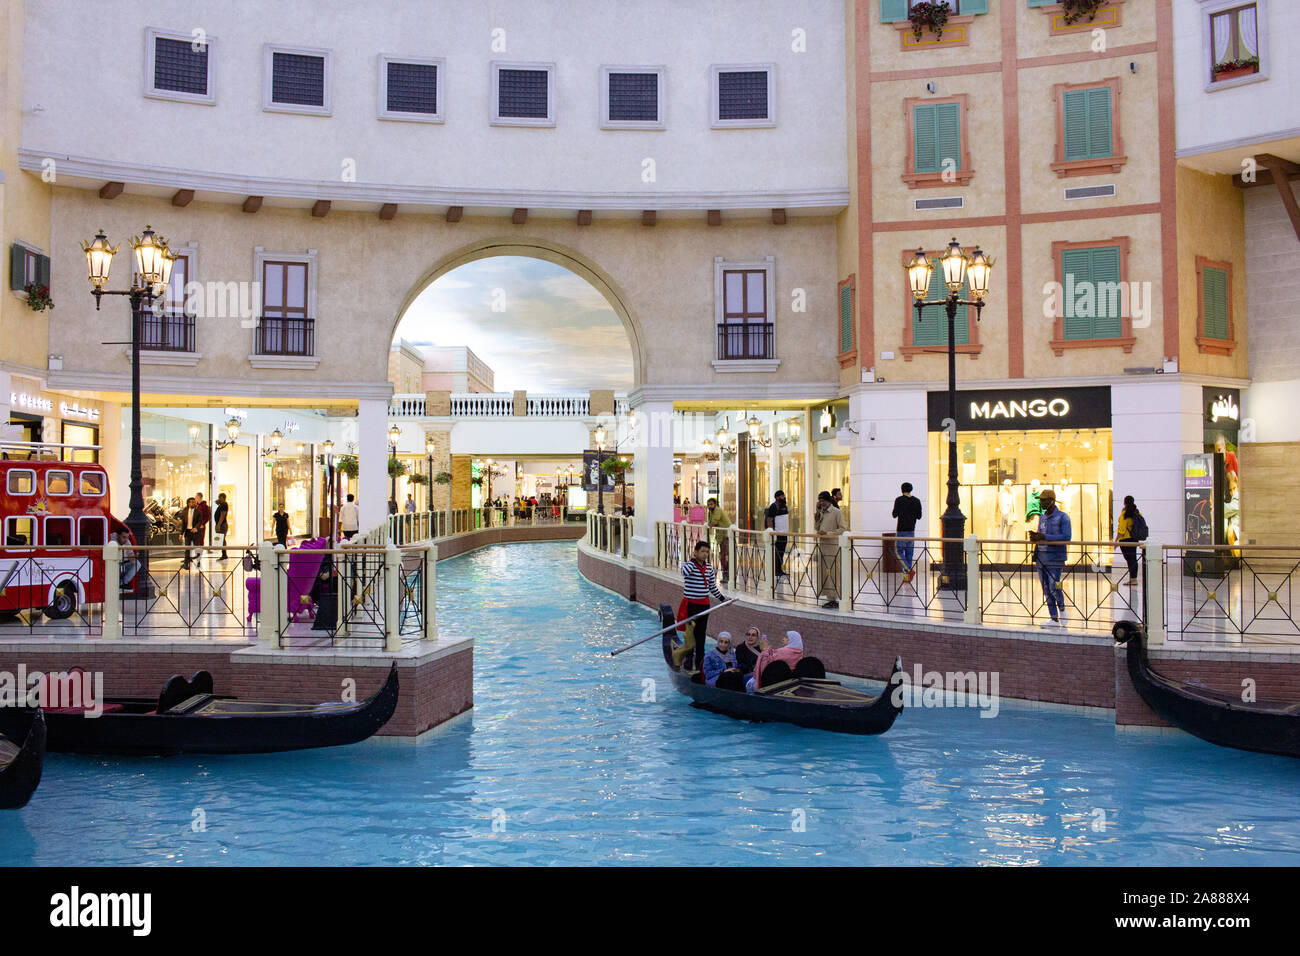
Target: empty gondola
[[187, 718], [22, 755], [1223, 718], [805, 698]]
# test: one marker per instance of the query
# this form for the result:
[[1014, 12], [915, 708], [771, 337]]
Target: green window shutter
[[925, 138], [1099, 129], [1108, 321], [1214, 299], [17, 266], [43, 270], [1075, 107], [846, 318], [974, 6], [948, 129], [1076, 265], [892, 11], [932, 327]]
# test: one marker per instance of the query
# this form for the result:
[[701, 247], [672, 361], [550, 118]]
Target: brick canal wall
[[433, 687], [1077, 669], [436, 678]]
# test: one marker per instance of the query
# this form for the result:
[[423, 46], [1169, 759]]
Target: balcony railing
[[752, 340], [276, 335], [559, 406], [167, 331], [483, 405]]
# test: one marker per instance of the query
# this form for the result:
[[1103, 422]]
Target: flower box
[[1233, 72]]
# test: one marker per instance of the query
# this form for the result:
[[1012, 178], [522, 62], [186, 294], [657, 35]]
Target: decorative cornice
[[835, 198], [1162, 378], [754, 394], [312, 392]]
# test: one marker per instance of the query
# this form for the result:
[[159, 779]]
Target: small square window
[[523, 94], [58, 483], [92, 483], [58, 531], [22, 482], [632, 97], [410, 89], [297, 80], [179, 66], [20, 531], [743, 96]]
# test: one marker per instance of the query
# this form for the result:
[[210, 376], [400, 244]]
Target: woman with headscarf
[[788, 649]]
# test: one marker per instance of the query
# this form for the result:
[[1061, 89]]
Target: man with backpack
[[1132, 527]]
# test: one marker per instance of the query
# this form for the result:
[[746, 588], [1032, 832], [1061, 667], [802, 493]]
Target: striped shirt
[[697, 585]]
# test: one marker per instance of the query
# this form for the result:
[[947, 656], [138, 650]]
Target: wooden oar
[[672, 627]]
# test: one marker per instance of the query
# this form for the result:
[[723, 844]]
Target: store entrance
[[1002, 473]]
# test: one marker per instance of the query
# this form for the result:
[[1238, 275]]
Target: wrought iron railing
[[170, 330], [752, 340], [278, 335]]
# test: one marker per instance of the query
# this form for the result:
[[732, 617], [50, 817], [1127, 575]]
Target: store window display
[[1004, 474]]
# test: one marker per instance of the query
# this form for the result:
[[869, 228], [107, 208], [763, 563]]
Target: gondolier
[[698, 582]]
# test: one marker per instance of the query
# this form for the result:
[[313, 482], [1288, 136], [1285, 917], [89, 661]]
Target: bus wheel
[[65, 602]]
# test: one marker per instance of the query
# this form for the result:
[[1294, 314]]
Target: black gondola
[[22, 755], [187, 718], [807, 701], [1265, 726]]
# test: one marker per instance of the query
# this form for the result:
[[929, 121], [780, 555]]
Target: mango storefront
[[1013, 444]]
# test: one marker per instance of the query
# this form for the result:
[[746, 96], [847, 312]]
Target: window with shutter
[[1216, 302], [1087, 129], [846, 317], [1093, 301], [937, 155], [931, 327], [1214, 306]]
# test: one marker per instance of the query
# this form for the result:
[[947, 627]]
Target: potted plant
[[396, 468], [929, 16], [1231, 69], [38, 297], [442, 478], [348, 465], [416, 478], [1076, 10]]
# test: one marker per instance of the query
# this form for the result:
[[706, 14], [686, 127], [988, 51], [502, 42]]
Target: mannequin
[[1006, 518], [1033, 509]]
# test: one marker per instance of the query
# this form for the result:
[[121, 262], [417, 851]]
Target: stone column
[[372, 455], [652, 469]]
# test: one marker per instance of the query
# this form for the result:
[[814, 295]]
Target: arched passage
[[536, 248]]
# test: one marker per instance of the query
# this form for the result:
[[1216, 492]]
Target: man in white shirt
[[349, 517]]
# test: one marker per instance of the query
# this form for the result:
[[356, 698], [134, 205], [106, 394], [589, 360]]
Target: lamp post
[[600, 469], [394, 434], [153, 271], [958, 267], [327, 459], [429, 448]]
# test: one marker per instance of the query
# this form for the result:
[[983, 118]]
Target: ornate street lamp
[[600, 469], [429, 448], [958, 268], [153, 261], [394, 435]]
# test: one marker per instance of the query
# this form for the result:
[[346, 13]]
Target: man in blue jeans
[[1053, 525], [908, 512]]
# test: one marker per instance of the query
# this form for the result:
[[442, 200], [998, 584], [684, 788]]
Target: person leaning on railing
[[830, 525]]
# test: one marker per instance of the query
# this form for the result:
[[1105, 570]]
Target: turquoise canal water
[[573, 766]]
